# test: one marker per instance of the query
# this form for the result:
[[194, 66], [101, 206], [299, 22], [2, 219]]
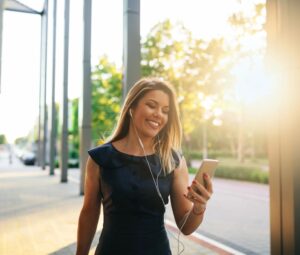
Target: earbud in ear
[[130, 113]]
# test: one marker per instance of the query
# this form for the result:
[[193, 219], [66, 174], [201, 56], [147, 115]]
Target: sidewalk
[[38, 215]]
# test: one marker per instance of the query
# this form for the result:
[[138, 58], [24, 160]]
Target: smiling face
[[150, 115]]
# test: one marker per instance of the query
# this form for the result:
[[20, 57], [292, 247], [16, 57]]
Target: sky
[[21, 48]]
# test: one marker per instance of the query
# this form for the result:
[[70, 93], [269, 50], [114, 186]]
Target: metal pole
[[53, 108], [1, 29], [131, 44], [43, 56], [44, 113], [85, 102], [39, 149], [64, 139]]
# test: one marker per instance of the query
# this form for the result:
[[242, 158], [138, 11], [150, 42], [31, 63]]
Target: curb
[[205, 241]]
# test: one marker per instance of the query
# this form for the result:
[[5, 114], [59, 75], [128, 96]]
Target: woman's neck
[[131, 145]]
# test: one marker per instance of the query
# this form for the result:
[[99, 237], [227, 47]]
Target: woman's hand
[[188, 210], [199, 195]]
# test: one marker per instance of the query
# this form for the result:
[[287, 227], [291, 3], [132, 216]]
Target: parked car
[[28, 158]]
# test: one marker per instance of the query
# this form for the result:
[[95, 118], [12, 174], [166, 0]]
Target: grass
[[250, 170]]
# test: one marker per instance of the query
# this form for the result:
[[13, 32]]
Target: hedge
[[243, 173]]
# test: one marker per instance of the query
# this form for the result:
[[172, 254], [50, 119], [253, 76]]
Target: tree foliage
[[3, 139], [200, 72], [195, 67], [247, 58], [74, 130], [106, 98]]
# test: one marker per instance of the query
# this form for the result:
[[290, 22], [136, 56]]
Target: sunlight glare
[[252, 83]]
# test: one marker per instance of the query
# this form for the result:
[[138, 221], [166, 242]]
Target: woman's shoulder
[[106, 147], [101, 153]]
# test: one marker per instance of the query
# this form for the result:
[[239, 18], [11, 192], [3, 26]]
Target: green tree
[[21, 141], [106, 98], [247, 27], [195, 67], [3, 139], [74, 130]]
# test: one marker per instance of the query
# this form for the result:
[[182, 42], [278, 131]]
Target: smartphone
[[207, 166]]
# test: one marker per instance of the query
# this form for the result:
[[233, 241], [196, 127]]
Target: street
[[237, 214]]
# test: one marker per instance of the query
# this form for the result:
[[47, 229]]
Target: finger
[[208, 183], [196, 185], [200, 189], [196, 197], [189, 197]]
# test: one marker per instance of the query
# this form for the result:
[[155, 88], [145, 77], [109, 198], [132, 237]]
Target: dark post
[[85, 100], [131, 44]]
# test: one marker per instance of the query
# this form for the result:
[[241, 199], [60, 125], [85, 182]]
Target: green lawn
[[250, 170]]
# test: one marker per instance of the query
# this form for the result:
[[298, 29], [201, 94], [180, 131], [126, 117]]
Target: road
[[237, 214]]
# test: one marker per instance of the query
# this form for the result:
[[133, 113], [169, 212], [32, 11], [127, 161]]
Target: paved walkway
[[38, 215]]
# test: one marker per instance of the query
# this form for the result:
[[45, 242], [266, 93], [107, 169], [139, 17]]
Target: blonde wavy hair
[[168, 141]]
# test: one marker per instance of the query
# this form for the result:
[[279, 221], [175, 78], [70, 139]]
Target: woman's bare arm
[[90, 211]]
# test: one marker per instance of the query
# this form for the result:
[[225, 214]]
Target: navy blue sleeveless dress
[[133, 211]]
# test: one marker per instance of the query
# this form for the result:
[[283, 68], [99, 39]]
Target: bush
[[240, 172], [72, 163], [213, 154], [196, 154], [245, 173]]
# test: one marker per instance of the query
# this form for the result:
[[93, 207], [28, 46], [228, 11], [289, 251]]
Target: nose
[[158, 113]]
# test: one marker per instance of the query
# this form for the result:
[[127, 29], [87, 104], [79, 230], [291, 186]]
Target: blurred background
[[213, 52]]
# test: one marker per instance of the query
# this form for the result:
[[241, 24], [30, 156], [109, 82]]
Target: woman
[[134, 174]]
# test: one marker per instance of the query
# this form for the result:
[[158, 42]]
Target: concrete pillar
[[64, 139], [43, 88], [283, 27], [53, 130], [131, 44], [1, 28], [85, 100]]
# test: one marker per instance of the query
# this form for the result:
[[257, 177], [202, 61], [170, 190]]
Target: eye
[[166, 111], [151, 105]]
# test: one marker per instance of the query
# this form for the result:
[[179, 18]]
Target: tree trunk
[[241, 139]]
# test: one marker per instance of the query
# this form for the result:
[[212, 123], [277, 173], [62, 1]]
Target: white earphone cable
[[158, 191]]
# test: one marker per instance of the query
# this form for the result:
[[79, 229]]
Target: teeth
[[153, 123]]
